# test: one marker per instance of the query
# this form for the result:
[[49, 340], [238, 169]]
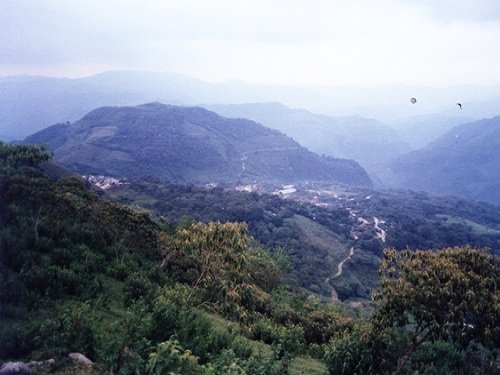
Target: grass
[[302, 364], [475, 227], [320, 237], [307, 366]]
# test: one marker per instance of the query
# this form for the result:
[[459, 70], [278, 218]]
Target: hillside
[[369, 142], [30, 104], [81, 274], [188, 144], [90, 279], [317, 226], [463, 162]]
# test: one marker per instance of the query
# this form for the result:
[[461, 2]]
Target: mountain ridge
[[190, 145], [464, 162], [31, 103], [366, 140]]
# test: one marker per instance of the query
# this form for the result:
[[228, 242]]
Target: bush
[[350, 352], [135, 288], [196, 332], [71, 331], [170, 357], [436, 358]]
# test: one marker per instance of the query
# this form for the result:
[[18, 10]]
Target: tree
[[218, 261], [13, 156], [450, 295]]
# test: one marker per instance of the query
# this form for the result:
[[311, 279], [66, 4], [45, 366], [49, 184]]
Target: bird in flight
[[460, 105], [413, 100]]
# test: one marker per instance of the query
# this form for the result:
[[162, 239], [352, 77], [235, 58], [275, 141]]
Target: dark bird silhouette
[[460, 105], [413, 100]]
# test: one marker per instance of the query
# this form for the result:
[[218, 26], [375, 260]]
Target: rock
[[79, 357], [9, 368]]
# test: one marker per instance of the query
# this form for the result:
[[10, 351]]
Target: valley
[[317, 225], [216, 268], [249, 187], [166, 190]]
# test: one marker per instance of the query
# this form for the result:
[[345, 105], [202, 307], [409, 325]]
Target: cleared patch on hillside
[[320, 237], [475, 227]]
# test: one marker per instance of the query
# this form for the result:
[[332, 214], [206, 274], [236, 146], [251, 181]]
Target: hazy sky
[[313, 42]]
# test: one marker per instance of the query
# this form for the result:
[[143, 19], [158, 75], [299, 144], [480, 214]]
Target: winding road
[[341, 264], [380, 234]]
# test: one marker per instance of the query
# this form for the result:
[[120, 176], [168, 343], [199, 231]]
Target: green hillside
[[82, 274], [188, 145], [317, 238]]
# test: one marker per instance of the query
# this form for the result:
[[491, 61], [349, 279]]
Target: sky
[[306, 43]]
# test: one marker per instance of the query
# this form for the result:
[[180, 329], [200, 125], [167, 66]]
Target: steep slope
[[81, 274], [367, 141], [464, 162], [188, 145]]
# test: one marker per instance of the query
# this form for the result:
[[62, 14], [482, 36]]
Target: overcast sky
[[307, 42]]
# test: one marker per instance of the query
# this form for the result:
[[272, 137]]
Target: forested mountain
[[464, 162], [369, 142], [122, 293], [188, 144]]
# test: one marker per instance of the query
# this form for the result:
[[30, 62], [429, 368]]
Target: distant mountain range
[[365, 140], [188, 145], [29, 104], [465, 162]]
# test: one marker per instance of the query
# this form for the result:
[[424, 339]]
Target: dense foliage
[[277, 224], [81, 274], [422, 221], [316, 238], [438, 312]]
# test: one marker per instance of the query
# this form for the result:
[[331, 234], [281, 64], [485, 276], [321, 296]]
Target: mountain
[[365, 140], [419, 131], [189, 145], [464, 162], [29, 104]]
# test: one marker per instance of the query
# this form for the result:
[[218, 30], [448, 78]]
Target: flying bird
[[413, 100], [460, 105]]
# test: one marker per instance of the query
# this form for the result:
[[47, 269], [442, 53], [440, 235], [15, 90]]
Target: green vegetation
[[315, 239], [476, 228], [419, 220], [81, 274], [87, 275], [188, 145], [438, 313], [282, 226]]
